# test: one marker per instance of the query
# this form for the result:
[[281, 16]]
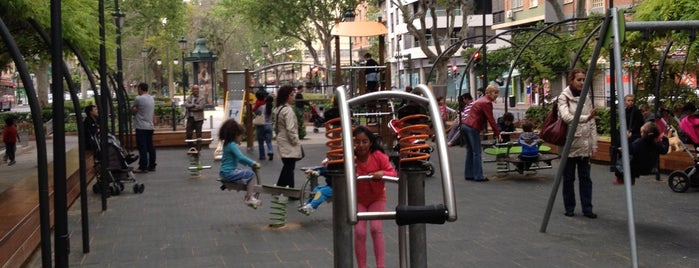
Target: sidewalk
[[189, 222]]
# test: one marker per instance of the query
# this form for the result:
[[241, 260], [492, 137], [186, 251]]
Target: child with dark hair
[[231, 133], [530, 146], [10, 138], [506, 124], [321, 193], [644, 153]]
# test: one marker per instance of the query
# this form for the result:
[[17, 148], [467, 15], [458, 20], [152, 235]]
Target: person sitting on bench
[[644, 153], [530, 147]]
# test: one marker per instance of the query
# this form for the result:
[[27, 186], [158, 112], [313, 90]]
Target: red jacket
[[9, 134], [482, 111]]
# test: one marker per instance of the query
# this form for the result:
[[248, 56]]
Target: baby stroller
[[118, 168], [316, 119], [680, 180]]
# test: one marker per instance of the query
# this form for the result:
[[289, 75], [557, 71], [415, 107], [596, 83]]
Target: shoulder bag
[[554, 130]]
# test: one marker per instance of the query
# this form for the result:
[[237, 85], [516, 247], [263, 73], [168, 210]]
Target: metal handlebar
[[421, 94]]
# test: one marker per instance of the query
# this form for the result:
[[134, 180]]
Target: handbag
[[554, 130], [303, 154], [259, 119]]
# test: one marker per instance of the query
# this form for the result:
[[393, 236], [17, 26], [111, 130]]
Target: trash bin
[[513, 101]]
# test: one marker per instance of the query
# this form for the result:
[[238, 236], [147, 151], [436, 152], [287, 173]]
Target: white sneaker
[[253, 202], [282, 198], [306, 209]]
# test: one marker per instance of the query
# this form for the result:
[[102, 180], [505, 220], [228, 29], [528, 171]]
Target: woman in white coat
[[584, 145], [288, 143]]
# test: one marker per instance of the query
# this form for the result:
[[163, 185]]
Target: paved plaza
[[182, 221]]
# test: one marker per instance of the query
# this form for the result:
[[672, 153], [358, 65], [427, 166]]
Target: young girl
[[231, 133], [371, 195]]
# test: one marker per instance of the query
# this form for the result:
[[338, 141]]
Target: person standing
[[288, 143], [371, 194], [263, 107], [300, 106], [10, 138], [91, 126], [371, 74], [194, 113], [143, 106], [583, 146], [481, 112]]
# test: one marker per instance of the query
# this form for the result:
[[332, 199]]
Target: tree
[[305, 21], [440, 38]]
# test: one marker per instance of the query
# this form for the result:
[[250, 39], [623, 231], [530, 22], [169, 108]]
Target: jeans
[[320, 194], [146, 150], [474, 159], [264, 135], [193, 126], [10, 148], [583, 167], [286, 177]]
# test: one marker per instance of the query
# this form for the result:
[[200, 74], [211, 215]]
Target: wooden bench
[[20, 232], [169, 138]]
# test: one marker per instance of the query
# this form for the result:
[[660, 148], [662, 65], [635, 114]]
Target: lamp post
[[144, 55], [160, 63], [349, 17], [183, 46]]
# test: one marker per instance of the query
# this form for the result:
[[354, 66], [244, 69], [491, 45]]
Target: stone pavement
[[180, 221]]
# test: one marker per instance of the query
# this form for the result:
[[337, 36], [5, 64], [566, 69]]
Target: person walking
[[91, 127], [143, 107], [194, 113], [263, 110], [288, 143], [10, 137], [371, 74], [583, 146], [481, 112]]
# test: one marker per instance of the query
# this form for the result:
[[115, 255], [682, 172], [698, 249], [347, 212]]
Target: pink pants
[[376, 228]]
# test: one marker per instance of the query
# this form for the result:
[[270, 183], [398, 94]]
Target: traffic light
[[476, 57]]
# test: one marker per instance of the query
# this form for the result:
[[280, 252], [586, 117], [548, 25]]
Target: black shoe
[[569, 214], [482, 180], [271, 156], [590, 215], [469, 179], [151, 168], [263, 158]]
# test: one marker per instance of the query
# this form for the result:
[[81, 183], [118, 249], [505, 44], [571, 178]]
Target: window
[[534, 3], [516, 4], [598, 3]]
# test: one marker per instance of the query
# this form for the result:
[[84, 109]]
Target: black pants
[[286, 177]]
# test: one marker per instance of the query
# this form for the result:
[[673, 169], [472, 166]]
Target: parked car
[[6, 102]]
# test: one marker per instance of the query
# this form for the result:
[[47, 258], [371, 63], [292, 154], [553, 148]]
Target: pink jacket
[[372, 191], [690, 126]]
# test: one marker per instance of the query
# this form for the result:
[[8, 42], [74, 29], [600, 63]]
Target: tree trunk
[[42, 86]]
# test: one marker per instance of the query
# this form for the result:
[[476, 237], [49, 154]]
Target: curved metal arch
[[266, 67], [41, 153], [582, 47], [439, 57], [526, 45]]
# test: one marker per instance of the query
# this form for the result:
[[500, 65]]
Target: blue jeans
[[474, 159], [320, 194], [264, 135], [240, 176], [146, 150], [583, 168]]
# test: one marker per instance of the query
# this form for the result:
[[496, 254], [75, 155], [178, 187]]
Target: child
[[530, 146], [231, 133], [644, 152], [371, 194], [320, 192], [10, 138], [506, 124]]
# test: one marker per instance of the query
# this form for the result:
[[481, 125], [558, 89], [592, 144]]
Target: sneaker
[[618, 181], [306, 209], [12, 163], [253, 202]]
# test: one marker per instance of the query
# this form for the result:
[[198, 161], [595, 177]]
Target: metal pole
[[184, 80], [343, 232], [418, 234]]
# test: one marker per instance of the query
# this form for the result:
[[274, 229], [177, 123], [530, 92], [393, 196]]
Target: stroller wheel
[[315, 130], [96, 188], [678, 181], [114, 190]]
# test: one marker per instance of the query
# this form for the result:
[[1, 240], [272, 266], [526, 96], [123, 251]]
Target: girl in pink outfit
[[371, 195]]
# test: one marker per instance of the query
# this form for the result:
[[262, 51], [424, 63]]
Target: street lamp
[[183, 46], [144, 55], [160, 63], [349, 17]]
